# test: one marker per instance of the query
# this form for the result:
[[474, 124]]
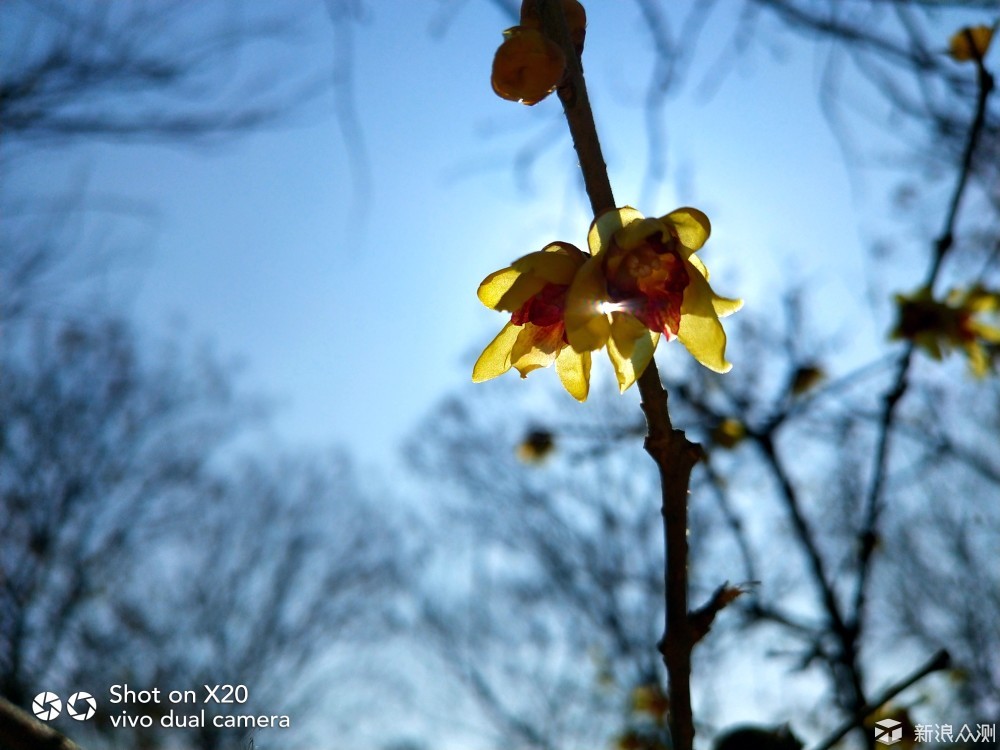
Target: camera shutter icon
[[46, 706], [888, 731], [81, 706]]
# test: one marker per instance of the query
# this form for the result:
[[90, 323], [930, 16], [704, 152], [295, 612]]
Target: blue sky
[[355, 323]]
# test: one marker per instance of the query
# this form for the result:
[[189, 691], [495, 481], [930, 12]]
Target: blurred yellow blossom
[[536, 446], [970, 43], [939, 326], [729, 433], [806, 377], [644, 280], [650, 699], [533, 289]]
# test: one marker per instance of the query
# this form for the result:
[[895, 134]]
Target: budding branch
[[674, 454]]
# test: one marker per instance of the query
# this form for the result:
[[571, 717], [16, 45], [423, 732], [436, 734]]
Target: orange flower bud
[[970, 43], [527, 66]]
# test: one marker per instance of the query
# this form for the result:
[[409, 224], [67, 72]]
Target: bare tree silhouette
[[90, 70], [140, 543]]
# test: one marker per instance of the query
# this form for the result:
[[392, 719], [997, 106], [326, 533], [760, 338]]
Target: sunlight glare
[[607, 306]]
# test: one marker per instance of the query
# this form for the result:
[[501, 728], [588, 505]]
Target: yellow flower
[[533, 289], [644, 280], [649, 699], [729, 433], [937, 327], [536, 446], [970, 43]]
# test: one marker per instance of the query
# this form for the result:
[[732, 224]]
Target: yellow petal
[[555, 266], [565, 248], [630, 348], [626, 330], [639, 231], [603, 228], [508, 289], [695, 261], [982, 300], [574, 372], [587, 328], [495, 359], [496, 285], [986, 332], [930, 344], [693, 227], [723, 305], [979, 363], [700, 330], [535, 347]]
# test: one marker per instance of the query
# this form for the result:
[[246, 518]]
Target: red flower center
[[650, 280], [544, 309]]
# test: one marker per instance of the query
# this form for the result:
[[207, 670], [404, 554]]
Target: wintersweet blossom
[[533, 289], [937, 327], [642, 281], [971, 43]]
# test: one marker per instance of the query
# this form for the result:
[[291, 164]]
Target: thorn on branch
[[702, 618]]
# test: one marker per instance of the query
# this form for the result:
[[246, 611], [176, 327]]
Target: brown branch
[[576, 106], [940, 660], [20, 731], [674, 454]]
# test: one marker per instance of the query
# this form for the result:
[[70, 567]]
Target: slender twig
[[804, 533], [579, 115], [985, 86], [839, 625], [873, 505], [674, 454], [940, 660]]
